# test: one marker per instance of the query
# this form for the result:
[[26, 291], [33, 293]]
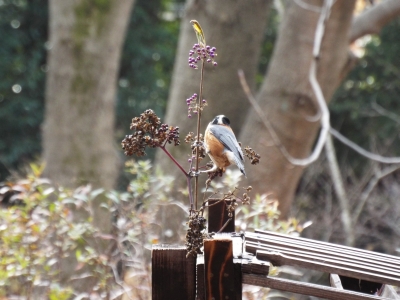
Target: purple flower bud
[[194, 95], [208, 47], [189, 160], [209, 60], [189, 115], [213, 49], [204, 101], [198, 58], [212, 55], [215, 64]]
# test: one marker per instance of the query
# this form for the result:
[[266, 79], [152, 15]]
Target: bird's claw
[[194, 174], [197, 144]]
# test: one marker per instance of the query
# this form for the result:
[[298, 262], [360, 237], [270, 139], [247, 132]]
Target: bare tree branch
[[371, 185], [374, 19], [308, 6], [340, 191], [362, 151], [386, 113]]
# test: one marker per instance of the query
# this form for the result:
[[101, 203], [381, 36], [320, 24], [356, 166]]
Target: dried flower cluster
[[191, 138], [231, 199], [252, 155], [199, 52], [193, 107], [195, 235], [149, 132]]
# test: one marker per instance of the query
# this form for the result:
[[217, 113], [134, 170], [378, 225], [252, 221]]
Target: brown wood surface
[[283, 249], [173, 275], [315, 245], [303, 288], [200, 289], [280, 259], [318, 254], [219, 270], [255, 266], [218, 216]]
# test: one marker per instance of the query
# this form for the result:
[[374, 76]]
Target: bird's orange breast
[[216, 151]]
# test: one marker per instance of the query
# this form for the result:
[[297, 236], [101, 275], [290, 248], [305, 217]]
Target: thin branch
[[264, 118], [174, 160], [362, 151], [187, 175], [196, 180], [371, 185], [374, 19], [340, 191], [386, 113], [308, 6], [223, 227]]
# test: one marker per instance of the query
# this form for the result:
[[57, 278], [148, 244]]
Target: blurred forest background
[[155, 38]]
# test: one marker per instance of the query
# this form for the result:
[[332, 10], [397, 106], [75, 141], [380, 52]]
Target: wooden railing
[[231, 259], [342, 262]]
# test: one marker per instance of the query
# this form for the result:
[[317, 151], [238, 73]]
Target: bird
[[221, 145]]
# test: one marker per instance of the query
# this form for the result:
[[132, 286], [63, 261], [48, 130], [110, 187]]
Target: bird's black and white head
[[221, 120]]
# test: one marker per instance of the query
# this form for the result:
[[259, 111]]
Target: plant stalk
[[196, 180], [188, 177]]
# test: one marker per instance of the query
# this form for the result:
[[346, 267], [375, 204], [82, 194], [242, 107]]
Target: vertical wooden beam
[[200, 289], [220, 282], [173, 275], [218, 215]]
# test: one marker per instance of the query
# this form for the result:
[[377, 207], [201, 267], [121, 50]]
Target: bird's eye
[[226, 121]]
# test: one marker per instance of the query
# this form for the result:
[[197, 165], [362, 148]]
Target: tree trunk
[[236, 29], [287, 99], [86, 39], [85, 46]]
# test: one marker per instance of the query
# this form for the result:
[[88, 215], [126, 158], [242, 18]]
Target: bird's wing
[[228, 139]]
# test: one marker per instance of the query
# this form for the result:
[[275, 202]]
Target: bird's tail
[[240, 165]]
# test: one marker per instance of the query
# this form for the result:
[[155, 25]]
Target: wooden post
[[218, 215], [173, 275], [200, 289], [219, 271]]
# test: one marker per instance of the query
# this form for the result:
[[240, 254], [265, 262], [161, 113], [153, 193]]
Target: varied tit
[[221, 145]]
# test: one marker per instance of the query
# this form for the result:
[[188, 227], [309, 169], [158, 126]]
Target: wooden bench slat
[[330, 251], [347, 261], [304, 288], [304, 241], [277, 258]]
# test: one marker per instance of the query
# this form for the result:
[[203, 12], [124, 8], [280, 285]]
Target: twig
[[196, 180], [384, 112], [362, 151], [340, 191], [188, 176], [223, 227], [371, 185], [307, 6]]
